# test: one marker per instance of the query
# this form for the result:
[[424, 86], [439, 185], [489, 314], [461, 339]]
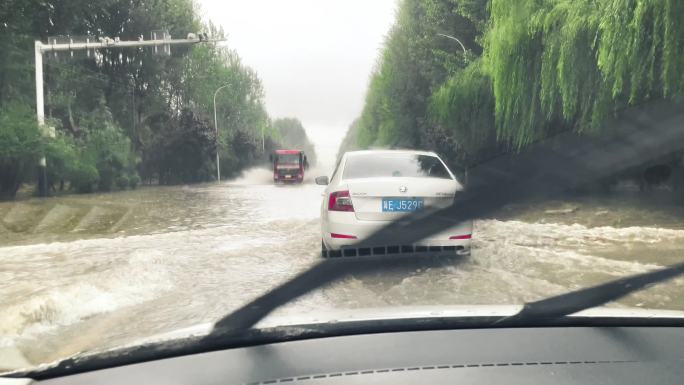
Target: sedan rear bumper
[[342, 231], [389, 250]]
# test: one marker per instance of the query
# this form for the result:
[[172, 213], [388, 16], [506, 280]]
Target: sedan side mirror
[[322, 180]]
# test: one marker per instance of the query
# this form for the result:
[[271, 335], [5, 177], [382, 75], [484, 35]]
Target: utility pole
[[40, 115], [103, 43]]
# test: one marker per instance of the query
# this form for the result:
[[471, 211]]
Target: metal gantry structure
[[99, 44]]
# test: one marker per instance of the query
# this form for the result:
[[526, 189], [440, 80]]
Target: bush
[[134, 181], [107, 176], [20, 147], [107, 147], [122, 182], [84, 177], [62, 158], [101, 158]]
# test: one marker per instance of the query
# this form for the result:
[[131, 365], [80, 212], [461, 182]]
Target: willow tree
[[416, 60], [573, 63], [464, 108]]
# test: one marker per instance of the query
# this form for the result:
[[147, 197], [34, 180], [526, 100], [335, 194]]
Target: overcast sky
[[314, 57]]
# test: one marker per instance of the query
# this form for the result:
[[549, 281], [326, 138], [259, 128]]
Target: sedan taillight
[[340, 201]]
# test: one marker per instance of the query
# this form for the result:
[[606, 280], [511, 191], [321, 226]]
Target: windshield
[[481, 153], [288, 158], [410, 166]]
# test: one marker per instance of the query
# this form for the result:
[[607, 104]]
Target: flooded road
[[88, 272]]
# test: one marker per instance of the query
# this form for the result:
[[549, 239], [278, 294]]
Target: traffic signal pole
[[40, 115], [102, 43]]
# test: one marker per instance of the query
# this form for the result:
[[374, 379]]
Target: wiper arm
[[576, 301], [544, 170]]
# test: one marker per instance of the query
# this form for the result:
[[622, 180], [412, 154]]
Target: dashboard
[[559, 355]]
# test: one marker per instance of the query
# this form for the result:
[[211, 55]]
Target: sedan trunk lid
[[368, 193]]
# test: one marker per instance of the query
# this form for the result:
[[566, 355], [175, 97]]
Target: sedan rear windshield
[[394, 165]]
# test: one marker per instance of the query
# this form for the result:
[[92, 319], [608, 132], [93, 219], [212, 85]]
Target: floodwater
[[90, 272]]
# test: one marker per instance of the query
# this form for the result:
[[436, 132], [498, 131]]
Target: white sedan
[[369, 189]]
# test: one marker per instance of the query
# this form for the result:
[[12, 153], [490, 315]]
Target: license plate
[[288, 176], [401, 205]]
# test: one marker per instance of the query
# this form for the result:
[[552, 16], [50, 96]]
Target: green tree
[[185, 153], [575, 63], [127, 111], [20, 147], [533, 68], [293, 136], [415, 62]]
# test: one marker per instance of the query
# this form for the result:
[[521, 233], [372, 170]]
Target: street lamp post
[[218, 164], [465, 176], [456, 39]]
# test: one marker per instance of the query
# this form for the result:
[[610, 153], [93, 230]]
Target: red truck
[[289, 166]]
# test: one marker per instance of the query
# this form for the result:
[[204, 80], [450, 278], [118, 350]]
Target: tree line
[[531, 68], [124, 116], [291, 135]]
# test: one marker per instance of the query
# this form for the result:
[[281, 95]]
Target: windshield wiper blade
[[576, 301], [540, 313], [546, 312]]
